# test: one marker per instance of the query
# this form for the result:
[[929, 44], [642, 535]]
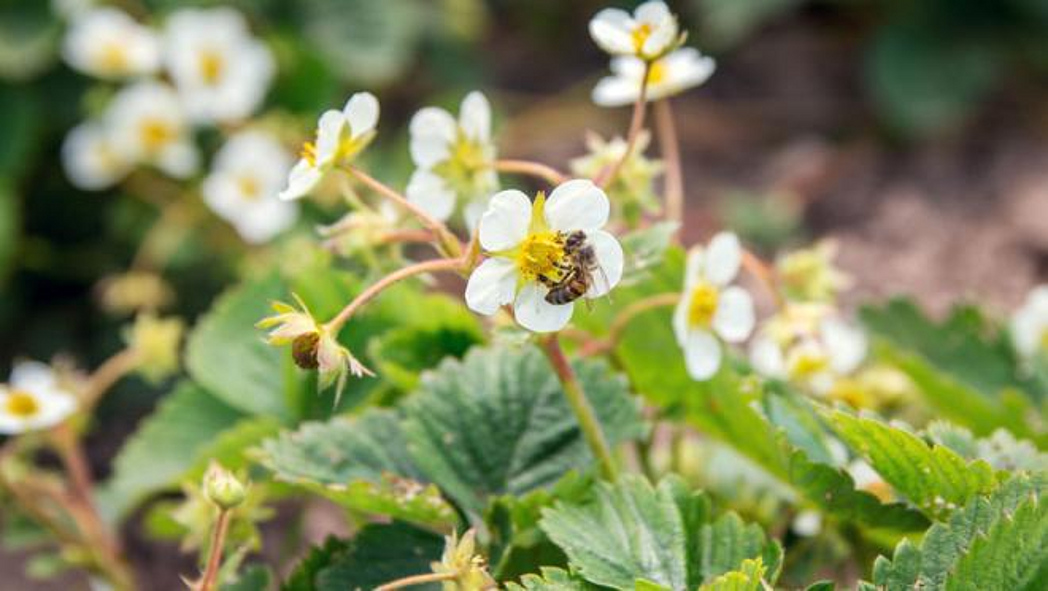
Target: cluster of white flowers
[[202, 68], [33, 399]]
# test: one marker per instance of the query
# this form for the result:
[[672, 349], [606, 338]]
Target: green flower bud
[[222, 488]]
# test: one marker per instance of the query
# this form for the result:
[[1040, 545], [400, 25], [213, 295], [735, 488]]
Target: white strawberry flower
[[220, 70], [1029, 324], [667, 76], [147, 125], [454, 159], [340, 137], [649, 33], [711, 309], [33, 399], [243, 187], [107, 43], [525, 243], [90, 159]]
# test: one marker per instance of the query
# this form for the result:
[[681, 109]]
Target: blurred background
[[914, 133]]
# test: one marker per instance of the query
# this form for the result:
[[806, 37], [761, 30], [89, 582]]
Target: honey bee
[[578, 268]]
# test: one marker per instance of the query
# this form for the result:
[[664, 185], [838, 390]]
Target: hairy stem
[[535, 169], [609, 173], [214, 558], [584, 413], [670, 150], [416, 580]]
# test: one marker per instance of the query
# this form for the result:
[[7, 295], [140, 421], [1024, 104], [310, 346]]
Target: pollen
[[155, 134], [541, 254], [249, 187], [656, 72], [22, 404], [640, 36], [211, 66], [112, 58], [808, 363], [309, 153], [703, 305]]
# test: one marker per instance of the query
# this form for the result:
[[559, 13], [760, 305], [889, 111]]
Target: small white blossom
[[107, 43], [33, 399], [340, 137], [90, 159], [220, 70], [710, 307], [454, 159], [667, 76], [147, 125], [243, 187], [650, 32], [807, 523], [1029, 325], [525, 242]]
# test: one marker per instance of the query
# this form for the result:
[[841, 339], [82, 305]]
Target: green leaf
[[230, 447], [747, 578], [165, 446], [1001, 449], [497, 422], [1012, 555], [550, 579], [933, 478], [664, 536], [256, 577]]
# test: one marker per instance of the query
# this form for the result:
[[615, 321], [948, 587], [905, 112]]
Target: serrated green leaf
[[1012, 555], [933, 478], [1001, 449], [304, 575], [378, 554], [747, 578], [550, 579], [631, 531]]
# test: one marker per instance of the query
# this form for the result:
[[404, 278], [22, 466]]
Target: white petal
[[431, 193], [577, 205], [264, 220], [734, 318], [680, 318], [505, 223], [615, 91], [652, 13], [301, 180], [33, 376], [693, 269], [361, 111], [845, 344], [491, 285], [432, 132], [723, 258], [534, 313], [180, 159], [687, 68], [702, 354], [473, 212], [330, 127], [475, 117], [767, 359], [610, 258], [611, 30]]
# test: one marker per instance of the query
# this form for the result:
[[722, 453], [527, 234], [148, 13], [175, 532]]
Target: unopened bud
[[222, 488]]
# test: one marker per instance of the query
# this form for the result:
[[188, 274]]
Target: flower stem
[[214, 559], [416, 580], [764, 273], [106, 375], [608, 174], [368, 294], [535, 169], [670, 150], [622, 320], [587, 418]]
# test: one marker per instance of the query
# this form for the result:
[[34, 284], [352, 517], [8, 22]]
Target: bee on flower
[[340, 137], [649, 33], [455, 160], [667, 76], [711, 309], [91, 160], [33, 399], [220, 70], [147, 125], [545, 255], [1029, 324], [107, 43], [244, 186]]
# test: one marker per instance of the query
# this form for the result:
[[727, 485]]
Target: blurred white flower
[[244, 186], [809, 273], [807, 523], [1029, 325], [667, 76], [147, 125], [454, 159], [221, 72], [90, 159], [33, 399], [340, 136], [534, 247], [649, 33], [710, 307], [107, 43]]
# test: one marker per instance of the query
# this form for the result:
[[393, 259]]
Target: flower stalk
[[413, 580], [209, 581], [669, 148], [535, 169], [636, 125]]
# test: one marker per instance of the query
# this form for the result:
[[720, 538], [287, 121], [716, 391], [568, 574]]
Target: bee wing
[[598, 281]]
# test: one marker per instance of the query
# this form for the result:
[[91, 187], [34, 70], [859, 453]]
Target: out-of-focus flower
[[544, 255], [33, 399], [147, 124], [632, 191], [1029, 325], [362, 231], [807, 523], [877, 387], [133, 291], [244, 186], [711, 309], [90, 159], [810, 275], [808, 345], [461, 560], [867, 479], [649, 33], [220, 70], [454, 158], [107, 43], [667, 76], [155, 342], [340, 137]]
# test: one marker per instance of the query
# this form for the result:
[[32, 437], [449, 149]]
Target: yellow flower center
[[808, 363], [155, 134], [640, 36], [309, 153], [249, 187], [112, 58], [211, 66], [656, 72], [22, 404], [540, 255], [702, 305], [460, 170]]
